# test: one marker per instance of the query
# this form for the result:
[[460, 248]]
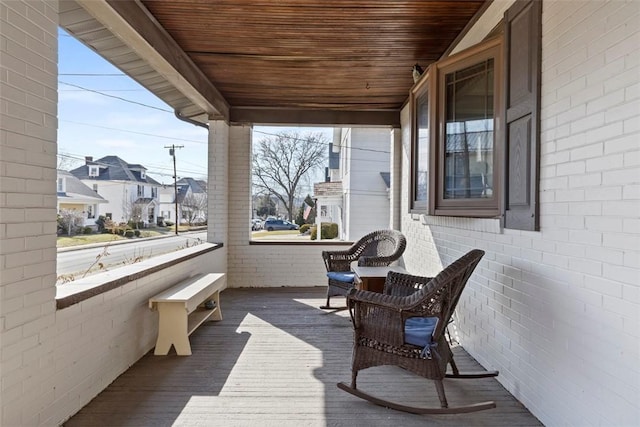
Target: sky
[[92, 121]]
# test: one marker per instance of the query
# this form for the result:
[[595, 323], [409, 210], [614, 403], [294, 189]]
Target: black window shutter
[[522, 125]]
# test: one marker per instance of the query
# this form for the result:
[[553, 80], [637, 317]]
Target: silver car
[[279, 224]]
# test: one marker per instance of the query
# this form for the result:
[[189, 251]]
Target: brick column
[[218, 183], [28, 95]]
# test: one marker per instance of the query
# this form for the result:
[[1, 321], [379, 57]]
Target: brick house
[[554, 304]]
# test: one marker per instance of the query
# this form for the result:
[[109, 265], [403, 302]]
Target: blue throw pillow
[[341, 276], [418, 331]]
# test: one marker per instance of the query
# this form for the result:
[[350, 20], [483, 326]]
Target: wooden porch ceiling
[[300, 61]]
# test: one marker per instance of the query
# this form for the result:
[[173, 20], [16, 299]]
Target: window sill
[[488, 225]]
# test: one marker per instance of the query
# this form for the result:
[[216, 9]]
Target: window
[[479, 115], [140, 190], [465, 147], [60, 188], [94, 171], [91, 211], [143, 175], [420, 144], [154, 192]]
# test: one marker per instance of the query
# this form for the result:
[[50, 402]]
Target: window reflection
[[422, 149], [469, 149]]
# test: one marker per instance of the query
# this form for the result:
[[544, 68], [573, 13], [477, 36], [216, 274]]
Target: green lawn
[[280, 234]]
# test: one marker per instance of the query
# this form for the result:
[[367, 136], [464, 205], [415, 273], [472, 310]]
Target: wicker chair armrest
[[377, 316], [402, 284], [377, 261], [339, 260]]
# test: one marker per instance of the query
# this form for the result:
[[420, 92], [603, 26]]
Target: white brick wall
[[28, 108], [262, 265], [218, 190], [557, 311]]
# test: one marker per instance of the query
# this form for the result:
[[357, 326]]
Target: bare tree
[[70, 220], [281, 163], [67, 162], [132, 211], [194, 207]]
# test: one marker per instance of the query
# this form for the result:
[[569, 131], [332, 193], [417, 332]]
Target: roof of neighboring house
[[333, 188], [113, 168], [144, 200], [76, 191], [196, 186]]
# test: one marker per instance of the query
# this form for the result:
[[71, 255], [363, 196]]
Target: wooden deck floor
[[275, 360]]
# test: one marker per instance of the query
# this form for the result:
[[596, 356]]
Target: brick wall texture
[[557, 311]]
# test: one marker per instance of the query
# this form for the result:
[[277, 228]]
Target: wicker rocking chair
[[376, 249], [405, 327]]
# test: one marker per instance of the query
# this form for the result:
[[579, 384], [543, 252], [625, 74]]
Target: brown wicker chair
[[376, 249], [381, 330]]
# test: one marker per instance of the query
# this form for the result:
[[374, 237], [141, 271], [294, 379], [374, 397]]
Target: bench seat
[[182, 309]]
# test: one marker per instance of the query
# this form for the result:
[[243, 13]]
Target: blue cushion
[[418, 331], [341, 276]]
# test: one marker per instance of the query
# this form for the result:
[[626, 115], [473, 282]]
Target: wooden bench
[[181, 310]]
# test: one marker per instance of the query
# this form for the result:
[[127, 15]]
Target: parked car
[[256, 224], [279, 224]]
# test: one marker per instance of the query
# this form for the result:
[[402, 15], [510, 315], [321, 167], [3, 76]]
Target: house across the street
[[76, 196], [131, 195]]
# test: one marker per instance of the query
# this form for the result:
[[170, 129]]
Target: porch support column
[[218, 183], [28, 146]]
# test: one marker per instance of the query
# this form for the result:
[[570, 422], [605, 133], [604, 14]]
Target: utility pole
[[172, 153]]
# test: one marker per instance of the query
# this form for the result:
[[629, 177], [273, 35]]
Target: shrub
[[101, 223], [169, 223], [329, 231], [136, 232], [128, 233], [304, 228], [87, 230]]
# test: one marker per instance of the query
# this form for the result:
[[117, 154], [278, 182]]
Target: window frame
[[425, 86], [474, 207]]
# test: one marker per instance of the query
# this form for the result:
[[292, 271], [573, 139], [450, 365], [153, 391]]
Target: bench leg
[[218, 313], [172, 329]]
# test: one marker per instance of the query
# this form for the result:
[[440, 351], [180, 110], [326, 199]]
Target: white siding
[[366, 194], [557, 311]]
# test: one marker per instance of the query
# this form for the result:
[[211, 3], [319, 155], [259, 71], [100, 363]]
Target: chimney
[[88, 159]]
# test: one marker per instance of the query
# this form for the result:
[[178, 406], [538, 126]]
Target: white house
[[360, 160], [131, 193], [191, 201], [73, 195]]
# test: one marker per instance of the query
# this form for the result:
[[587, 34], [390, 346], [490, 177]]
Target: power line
[[117, 97], [314, 142], [130, 131], [94, 74], [151, 171]]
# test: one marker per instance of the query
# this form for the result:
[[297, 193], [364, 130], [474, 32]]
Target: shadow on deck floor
[[275, 360]]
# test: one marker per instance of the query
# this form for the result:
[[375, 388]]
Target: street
[[76, 262]]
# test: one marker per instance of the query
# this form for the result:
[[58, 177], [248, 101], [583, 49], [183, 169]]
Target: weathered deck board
[[275, 360]]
